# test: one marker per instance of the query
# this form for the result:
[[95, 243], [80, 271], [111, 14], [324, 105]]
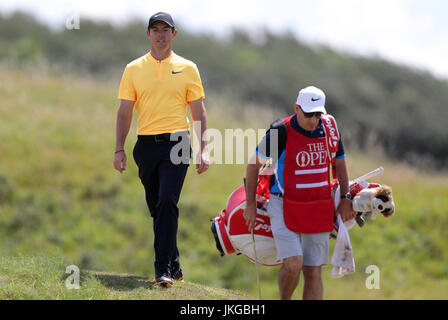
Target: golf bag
[[232, 234]]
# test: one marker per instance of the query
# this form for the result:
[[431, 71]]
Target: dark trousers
[[163, 181]]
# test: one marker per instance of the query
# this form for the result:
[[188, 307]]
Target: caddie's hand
[[203, 162], [120, 161], [249, 215], [345, 210]]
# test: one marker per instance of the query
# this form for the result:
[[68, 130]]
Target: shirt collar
[[150, 57], [298, 128]]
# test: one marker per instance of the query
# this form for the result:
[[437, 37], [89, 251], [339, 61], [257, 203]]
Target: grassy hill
[[44, 277], [59, 193]]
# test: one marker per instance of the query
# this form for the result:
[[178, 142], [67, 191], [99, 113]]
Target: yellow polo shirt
[[162, 91]]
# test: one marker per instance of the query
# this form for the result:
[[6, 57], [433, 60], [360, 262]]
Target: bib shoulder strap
[[331, 133]]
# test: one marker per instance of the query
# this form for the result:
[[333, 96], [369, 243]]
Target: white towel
[[342, 259]]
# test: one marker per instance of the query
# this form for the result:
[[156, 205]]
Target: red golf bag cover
[[232, 234]]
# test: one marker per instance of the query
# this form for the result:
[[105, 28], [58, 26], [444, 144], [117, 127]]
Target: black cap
[[161, 16]]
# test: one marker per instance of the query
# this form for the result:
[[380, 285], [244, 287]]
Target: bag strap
[[332, 139]]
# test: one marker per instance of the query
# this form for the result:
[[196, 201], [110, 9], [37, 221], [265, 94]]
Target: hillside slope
[[58, 191], [50, 278]]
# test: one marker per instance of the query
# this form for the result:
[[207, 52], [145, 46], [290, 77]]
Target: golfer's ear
[[174, 33], [147, 33]]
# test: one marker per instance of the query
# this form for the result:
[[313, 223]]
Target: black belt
[[163, 137]]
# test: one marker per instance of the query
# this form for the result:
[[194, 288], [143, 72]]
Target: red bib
[[307, 203]]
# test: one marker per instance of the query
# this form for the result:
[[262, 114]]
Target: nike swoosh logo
[[312, 99], [174, 72]]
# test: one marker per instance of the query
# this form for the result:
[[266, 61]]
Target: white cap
[[311, 99]]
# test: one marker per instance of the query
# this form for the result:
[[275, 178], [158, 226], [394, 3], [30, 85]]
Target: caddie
[[306, 148], [161, 85]]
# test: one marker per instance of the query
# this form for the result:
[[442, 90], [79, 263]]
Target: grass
[[44, 278], [59, 192]]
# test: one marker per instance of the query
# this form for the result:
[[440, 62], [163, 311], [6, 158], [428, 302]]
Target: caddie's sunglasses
[[309, 115]]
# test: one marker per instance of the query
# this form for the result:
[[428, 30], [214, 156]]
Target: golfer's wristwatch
[[346, 196]]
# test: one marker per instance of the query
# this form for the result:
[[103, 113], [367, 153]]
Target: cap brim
[[308, 109]]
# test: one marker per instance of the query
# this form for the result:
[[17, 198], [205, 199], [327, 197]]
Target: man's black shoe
[[178, 275], [164, 281]]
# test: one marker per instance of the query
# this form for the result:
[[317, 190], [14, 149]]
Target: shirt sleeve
[[195, 89], [273, 143], [340, 153], [127, 90]]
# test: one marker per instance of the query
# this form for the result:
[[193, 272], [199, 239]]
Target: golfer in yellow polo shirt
[[161, 85]]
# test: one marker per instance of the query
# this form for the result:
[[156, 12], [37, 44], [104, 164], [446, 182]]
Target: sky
[[409, 32]]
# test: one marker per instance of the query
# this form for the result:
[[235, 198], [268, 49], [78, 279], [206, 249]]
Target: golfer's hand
[[120, 161], [249, 215], [203, 162], [345, 210]]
